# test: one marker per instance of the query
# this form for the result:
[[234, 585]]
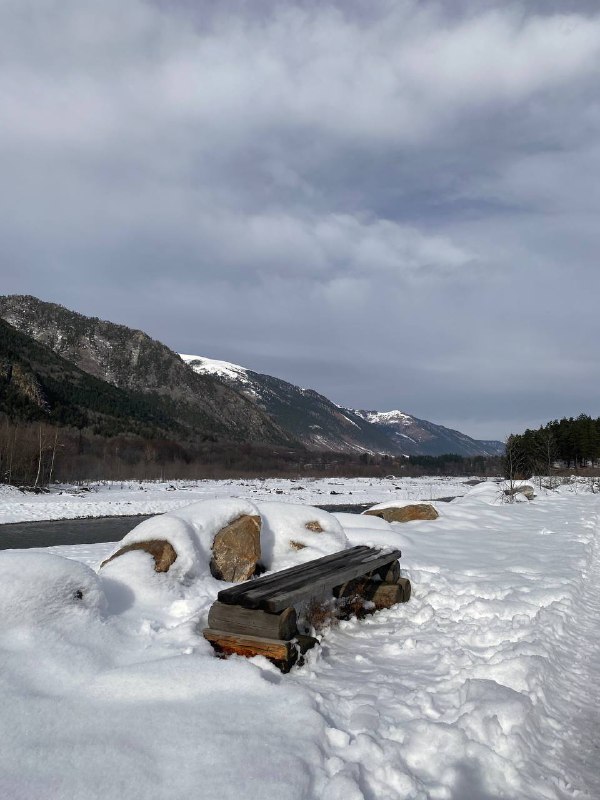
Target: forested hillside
[[573, 442], [131, 360]]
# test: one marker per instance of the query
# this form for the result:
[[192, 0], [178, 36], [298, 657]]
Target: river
[[48, 533]]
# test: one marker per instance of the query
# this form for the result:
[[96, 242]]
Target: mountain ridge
[[206, 398], [336, 427], [131, 360]]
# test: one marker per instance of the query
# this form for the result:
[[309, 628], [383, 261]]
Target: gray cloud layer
[[395, 203]]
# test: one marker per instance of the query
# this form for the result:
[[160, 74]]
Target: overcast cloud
[[394, 203]]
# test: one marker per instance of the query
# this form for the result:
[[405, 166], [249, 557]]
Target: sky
[[395, 203]]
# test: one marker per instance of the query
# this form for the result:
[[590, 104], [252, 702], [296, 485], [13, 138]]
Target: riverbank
[[127, 499]]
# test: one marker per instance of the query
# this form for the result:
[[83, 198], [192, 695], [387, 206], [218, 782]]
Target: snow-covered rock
[[37, 588], [191, 531], [293, 534], [403, 512]]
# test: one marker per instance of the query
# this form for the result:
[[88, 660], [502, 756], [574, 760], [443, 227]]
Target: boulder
[[236, 550], [161, 550], [404, 513], [525, 490]]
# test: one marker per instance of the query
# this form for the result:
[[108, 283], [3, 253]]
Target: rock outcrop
[[404, 513]]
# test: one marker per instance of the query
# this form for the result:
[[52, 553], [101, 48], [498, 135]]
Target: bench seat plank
[[230, 595], [283, 589]]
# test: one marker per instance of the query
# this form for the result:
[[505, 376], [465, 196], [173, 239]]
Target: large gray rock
[[236, 550], [404, 513]]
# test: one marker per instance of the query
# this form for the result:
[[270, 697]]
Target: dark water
[[66, 531], [90, 531]]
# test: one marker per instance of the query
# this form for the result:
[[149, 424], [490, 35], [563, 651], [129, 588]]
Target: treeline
[[572, 443], [453, 464], [36, 454]]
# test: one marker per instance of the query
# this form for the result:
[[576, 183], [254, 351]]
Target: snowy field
[[485, 685], [114, 499]]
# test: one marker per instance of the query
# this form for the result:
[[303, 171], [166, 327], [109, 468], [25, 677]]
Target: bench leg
[[284, 654]]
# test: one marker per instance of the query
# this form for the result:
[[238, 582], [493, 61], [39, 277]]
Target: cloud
[[386, 201]]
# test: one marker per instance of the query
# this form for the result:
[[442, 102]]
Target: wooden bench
[[259, 617]]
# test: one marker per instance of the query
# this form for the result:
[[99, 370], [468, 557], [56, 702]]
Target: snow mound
[[38, 587], [191, 530], [371, 531], [293, 534], [493, 493], [290, 534]]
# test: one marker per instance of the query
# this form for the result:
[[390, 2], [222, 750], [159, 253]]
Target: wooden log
[[386, 595], [388, 573], [236, 619], [406, 589], [283, 654], [380, 593]]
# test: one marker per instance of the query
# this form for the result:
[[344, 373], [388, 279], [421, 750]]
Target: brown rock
[[236, 550], [161, 551], [296, 545], [314, 526], [405, 513]]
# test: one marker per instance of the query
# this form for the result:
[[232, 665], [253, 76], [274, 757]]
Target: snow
[[387, 417], [485, 685], [212, 366], [287, 538], [126, 498], [38, 586]]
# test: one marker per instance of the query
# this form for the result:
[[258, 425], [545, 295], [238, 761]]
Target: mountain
[[37, 384], [309, 416], [189, 398], [320, 424], [118, 356], [414, 436]]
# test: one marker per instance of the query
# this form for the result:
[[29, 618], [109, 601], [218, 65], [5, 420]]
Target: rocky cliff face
[[129, 359], [36, 384]]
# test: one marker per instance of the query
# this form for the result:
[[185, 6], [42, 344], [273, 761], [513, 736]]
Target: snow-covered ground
[[485, 685], [108, 499]]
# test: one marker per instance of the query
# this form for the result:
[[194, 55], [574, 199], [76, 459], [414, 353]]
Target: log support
[[284, 654]]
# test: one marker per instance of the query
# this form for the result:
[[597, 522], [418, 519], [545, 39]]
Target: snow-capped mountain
[[414, 436], [307, 415], [321, 424]]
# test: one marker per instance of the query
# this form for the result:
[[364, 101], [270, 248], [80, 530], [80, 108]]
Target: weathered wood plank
[[278, 600], [301, 581], [236, 619], [230, 595]]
